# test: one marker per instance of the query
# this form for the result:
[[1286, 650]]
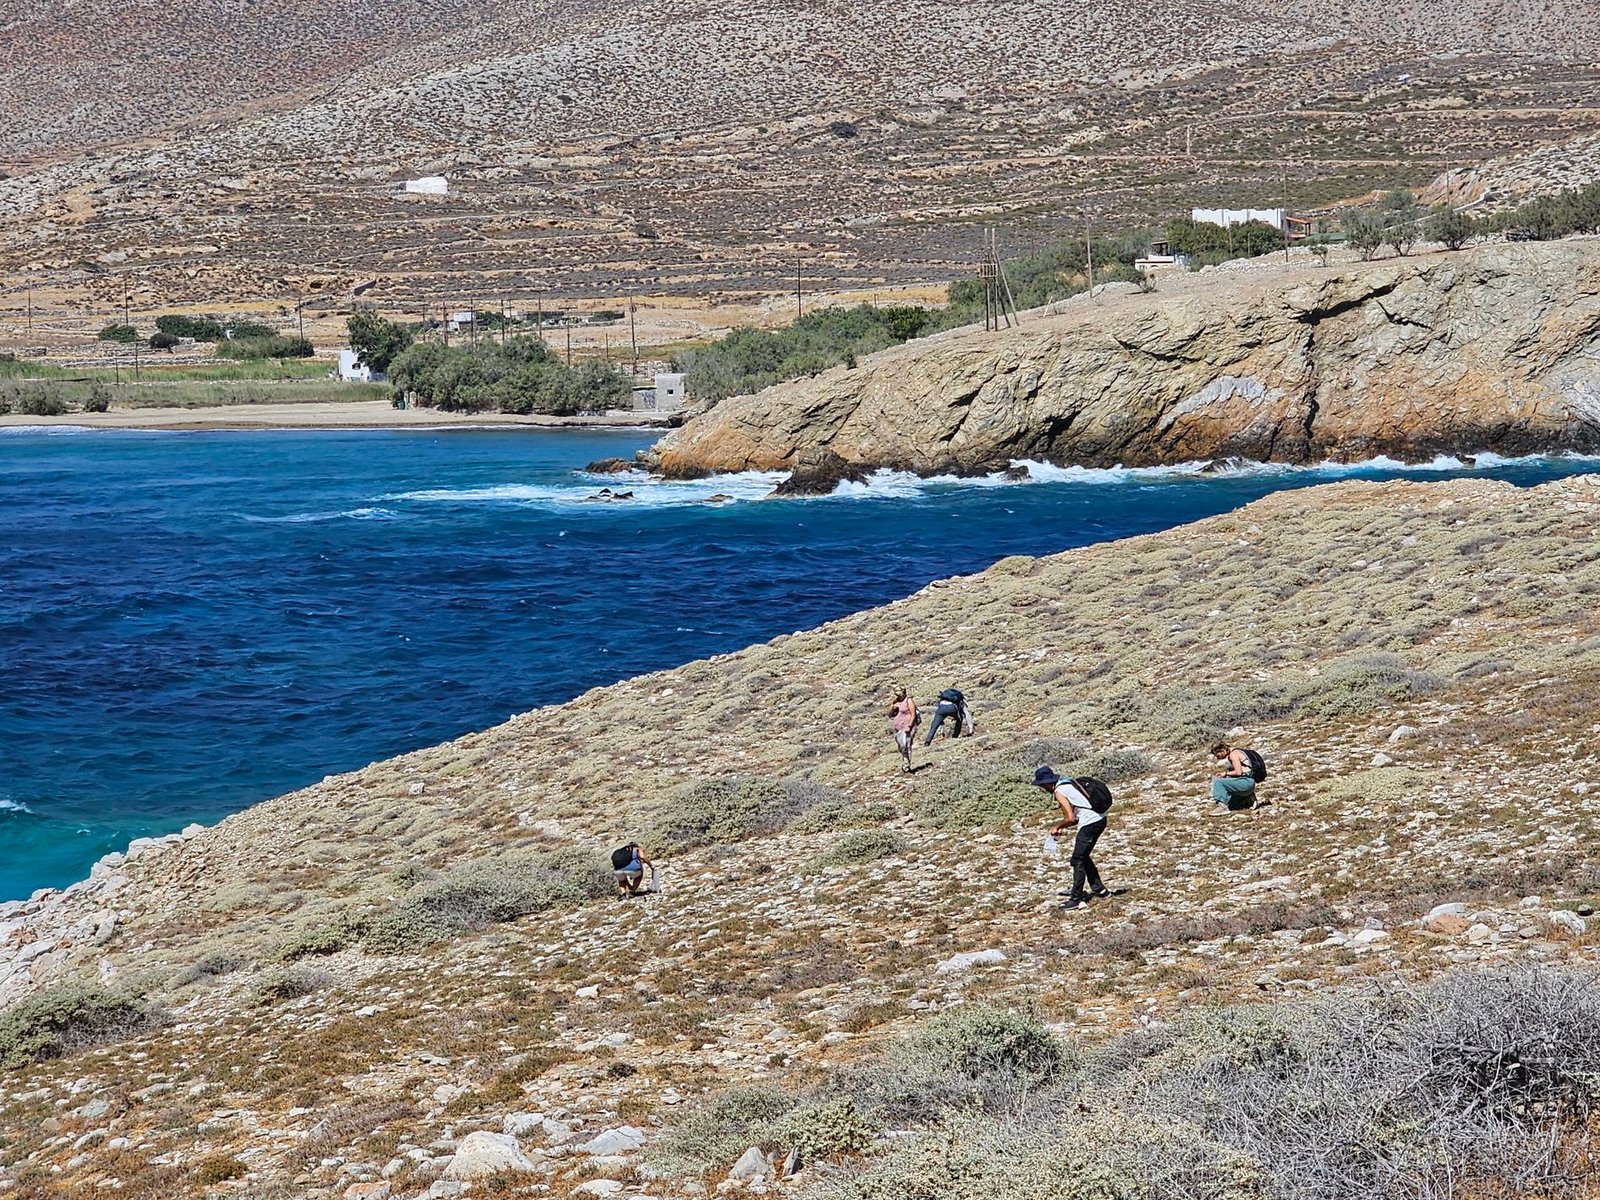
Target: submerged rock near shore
[[1494, 348]]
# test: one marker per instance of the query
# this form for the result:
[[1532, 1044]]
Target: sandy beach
[[359, 414]]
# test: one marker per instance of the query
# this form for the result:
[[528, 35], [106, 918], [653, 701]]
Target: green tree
[[376, 340], [1454, 229], [1400, 218], [1363, 233], [125, 334]]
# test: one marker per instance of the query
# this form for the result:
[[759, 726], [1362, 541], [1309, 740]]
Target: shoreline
[[334, 415]]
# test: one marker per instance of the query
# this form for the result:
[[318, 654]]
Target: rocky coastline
[[1494, 348]]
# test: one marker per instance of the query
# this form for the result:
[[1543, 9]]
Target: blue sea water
[[191, 622]]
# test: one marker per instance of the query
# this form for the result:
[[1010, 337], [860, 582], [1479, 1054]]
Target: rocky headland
[[1494, 348], [407, 982]]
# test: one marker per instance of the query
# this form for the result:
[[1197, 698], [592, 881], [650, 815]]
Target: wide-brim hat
[[1045, 777]]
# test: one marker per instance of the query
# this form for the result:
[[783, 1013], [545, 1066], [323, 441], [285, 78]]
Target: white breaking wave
[[591, 491], [349, 514], [14, 806]]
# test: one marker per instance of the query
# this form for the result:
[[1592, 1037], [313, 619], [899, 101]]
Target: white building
[[664, 395], [353, 370], [1227, 217], [428, 185], [669, 392]]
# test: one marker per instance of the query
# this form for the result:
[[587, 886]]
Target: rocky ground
[[1417, 662], [1489, 348], [708, 149]]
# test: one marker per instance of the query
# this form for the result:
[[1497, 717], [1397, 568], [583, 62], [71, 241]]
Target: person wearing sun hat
[[1078, 808]]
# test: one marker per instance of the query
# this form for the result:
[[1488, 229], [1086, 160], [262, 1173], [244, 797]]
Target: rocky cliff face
[[1495, 348]]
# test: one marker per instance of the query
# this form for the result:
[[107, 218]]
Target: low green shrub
[[329, 938], [248, 348], [862, 846], [209, 967], [983, 794], [290, 984], [711, 812], [984, 1044], [66, 1018], [821, 1131], [1348, 688], [127, 335], [716, 1131], [218, 1168], [478, 894]]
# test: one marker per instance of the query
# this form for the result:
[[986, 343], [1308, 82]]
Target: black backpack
[[1098, 794], [1258, 765], [953, 696], [621, 858]]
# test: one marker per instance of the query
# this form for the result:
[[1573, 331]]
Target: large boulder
[[482, 1154]]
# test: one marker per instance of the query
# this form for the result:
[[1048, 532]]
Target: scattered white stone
[[1479, 933], [446, 1092], [588, 993], [1561, 918], [1380, 759], [598, 1187], [482, 1154], [1531, 902], [752, 1164], [522, 1124], [1366, 937], [965, 962], [190, 831], [1445, 910], [615, 1141], [1402, 733]]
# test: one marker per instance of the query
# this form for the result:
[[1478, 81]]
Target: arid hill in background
[[217, 152]]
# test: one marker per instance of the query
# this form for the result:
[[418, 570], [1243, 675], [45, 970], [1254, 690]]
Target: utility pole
[[1286, 210], [473, 326], [503, 320], [300, 315], [633, 333], [538, 300], [30, 309], [797, 308], [1088, 249], [444, 322], [569, 347]]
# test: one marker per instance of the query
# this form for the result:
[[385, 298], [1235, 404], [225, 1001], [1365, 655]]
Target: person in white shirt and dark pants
[[1076, 810]]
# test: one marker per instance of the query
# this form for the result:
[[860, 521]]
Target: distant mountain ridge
[[701, 147]]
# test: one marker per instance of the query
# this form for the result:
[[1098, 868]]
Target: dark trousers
[[1082, 865], [945, 712]]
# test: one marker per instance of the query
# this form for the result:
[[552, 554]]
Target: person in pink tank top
[[905, 717]]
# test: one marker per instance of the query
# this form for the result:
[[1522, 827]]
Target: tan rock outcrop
[[1495, 348]]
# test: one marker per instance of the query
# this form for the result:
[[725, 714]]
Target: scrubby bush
[[329, 938], [66, 1018], [983, 794], [210, 966], [253, 348], [820, 1131], [715, 1132], [748, 360], [1475, 1085], [161, 340], [118, 332], [1451, 228], [862, 846], [98, 399], [988, 1046], [1576, 210], [201, 329], [478, 894], [39, 402], [520, 375], [1349, 687], [713, 812], [290, 984], [218, 1168], [376, 340]]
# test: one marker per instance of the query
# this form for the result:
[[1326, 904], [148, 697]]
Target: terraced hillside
[[247, 153], [362, 989]]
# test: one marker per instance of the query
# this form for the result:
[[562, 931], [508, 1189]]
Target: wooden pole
[[633, 333]]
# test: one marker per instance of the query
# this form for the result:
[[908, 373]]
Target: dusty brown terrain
[[1417, 662], [646, 144]]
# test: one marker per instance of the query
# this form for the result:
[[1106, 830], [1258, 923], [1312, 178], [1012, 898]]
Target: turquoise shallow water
[[190, 622]]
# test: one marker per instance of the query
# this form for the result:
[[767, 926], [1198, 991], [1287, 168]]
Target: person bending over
[[1077, 809], [952, 708], [627, 868]]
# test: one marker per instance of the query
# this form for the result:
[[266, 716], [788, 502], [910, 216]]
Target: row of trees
[[520, 375], [1399, 222]]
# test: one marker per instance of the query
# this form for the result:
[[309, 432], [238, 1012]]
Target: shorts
[[902, 739], [629, 875]]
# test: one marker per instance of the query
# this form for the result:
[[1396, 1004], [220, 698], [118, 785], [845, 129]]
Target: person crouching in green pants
[[1235, 785]]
